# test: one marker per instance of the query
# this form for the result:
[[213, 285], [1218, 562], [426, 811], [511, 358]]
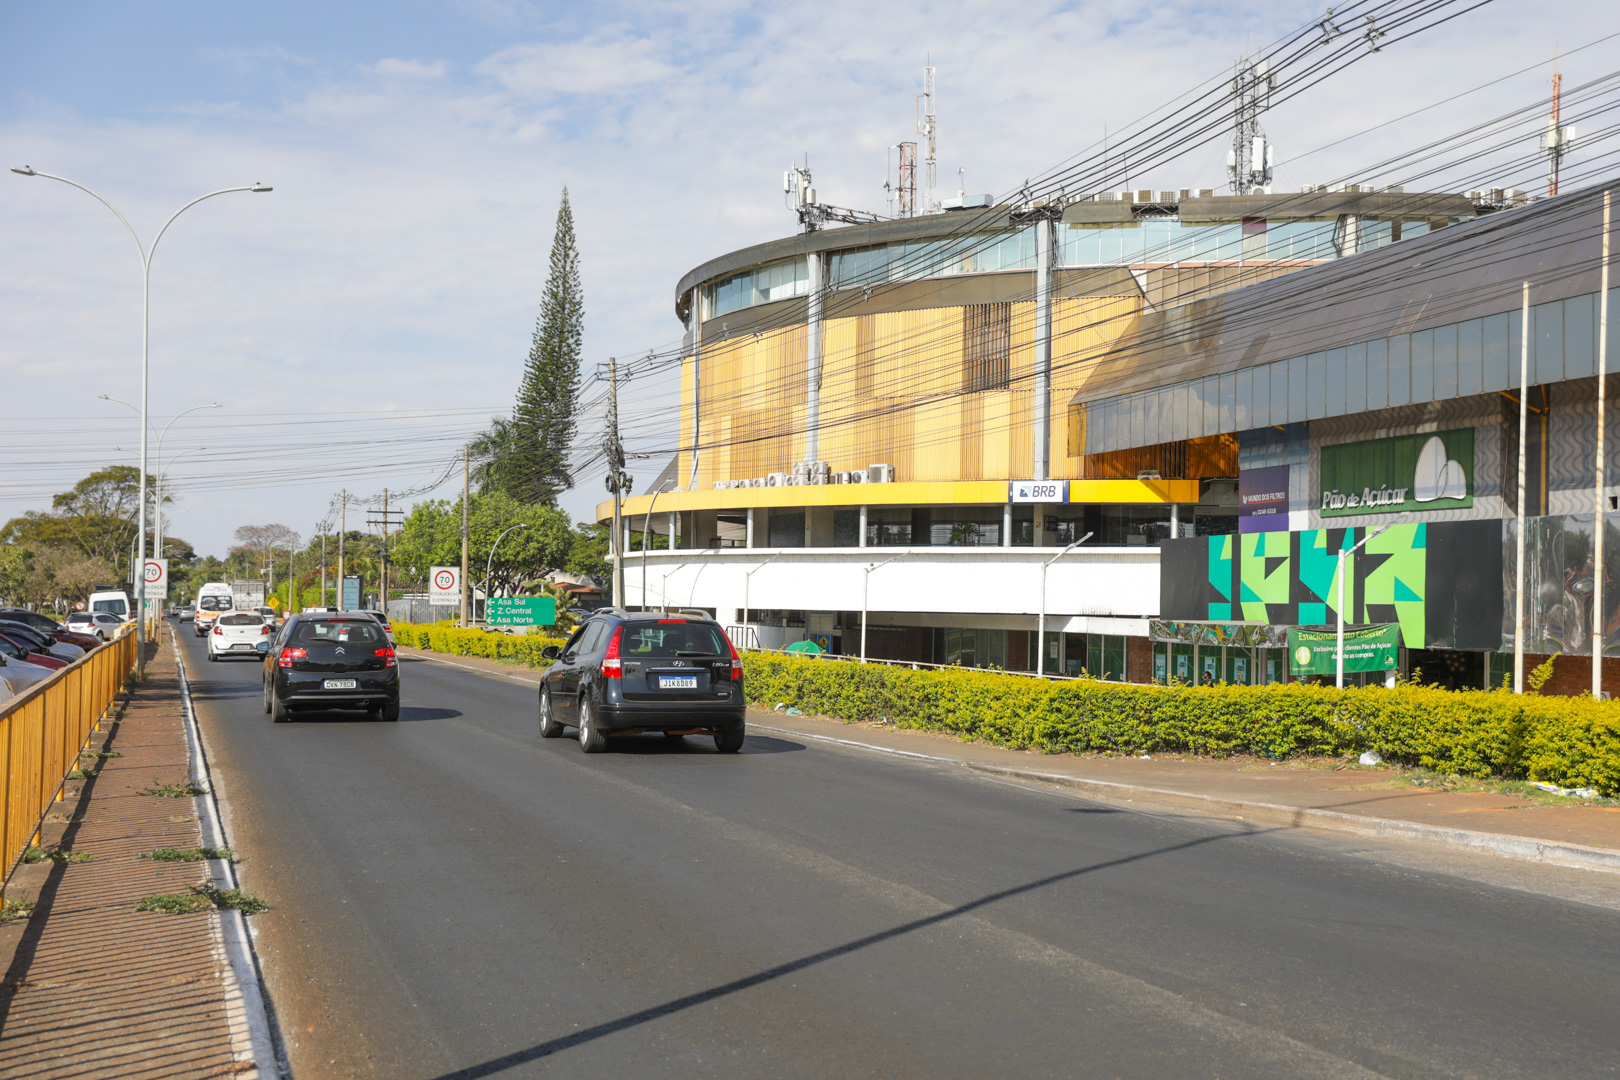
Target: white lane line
[[244, 990], [469, 667]]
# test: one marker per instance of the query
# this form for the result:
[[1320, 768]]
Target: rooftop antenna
[[906, 188], [1248, 163], [961, 183], [1556, 141], [926, 125]]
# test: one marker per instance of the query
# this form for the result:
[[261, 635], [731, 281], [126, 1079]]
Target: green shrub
[[1567, 741], [455, 641]]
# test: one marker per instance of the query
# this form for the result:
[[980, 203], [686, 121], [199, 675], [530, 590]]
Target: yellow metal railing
[[42, 731]]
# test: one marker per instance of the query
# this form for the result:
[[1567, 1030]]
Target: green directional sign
[[1370, 648], [520, 611]]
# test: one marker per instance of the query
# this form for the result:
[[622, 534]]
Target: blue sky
[[418, 150]]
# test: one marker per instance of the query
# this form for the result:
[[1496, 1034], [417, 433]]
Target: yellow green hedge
[[524, 648], [1568, 741]]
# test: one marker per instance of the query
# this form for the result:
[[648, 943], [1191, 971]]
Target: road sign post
[[444, 586], [157, 579]]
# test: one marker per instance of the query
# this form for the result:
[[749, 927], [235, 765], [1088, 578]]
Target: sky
[[359, 323]]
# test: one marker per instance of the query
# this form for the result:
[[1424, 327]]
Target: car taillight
[[263, 630], [220, 630], [736, 661], [388, 657], [288, 655], [611, 667], [388, 628]]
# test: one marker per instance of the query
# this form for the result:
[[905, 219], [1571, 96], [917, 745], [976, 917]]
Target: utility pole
[[618, 481], [343, 527], [1518, 544], [325, 526], [385, 521], [466, 491], [1600, 522]]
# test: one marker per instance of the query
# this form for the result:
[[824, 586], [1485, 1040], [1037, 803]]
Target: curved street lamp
[[146, 322], [157, 511], [490, 564]]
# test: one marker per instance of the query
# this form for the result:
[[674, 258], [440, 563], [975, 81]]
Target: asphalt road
[[456, 897]]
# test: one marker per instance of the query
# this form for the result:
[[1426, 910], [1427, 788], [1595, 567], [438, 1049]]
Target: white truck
[[247, 594]]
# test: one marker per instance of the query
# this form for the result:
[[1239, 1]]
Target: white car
[[237, 633], [99, 624], [20, 674]]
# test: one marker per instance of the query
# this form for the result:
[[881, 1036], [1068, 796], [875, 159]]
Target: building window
[[786, 529], [986, 346], [1105, 657]]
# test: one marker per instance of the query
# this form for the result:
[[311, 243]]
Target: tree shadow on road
[[748, 982]]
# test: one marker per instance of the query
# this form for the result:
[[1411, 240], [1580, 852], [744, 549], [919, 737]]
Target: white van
[[113, 602], [212, 599]]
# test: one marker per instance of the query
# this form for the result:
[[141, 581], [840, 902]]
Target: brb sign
[[1038, 491], [444, 585]]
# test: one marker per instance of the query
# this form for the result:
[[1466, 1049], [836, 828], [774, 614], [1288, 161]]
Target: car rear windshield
[[215, 603], [115, 607], [341, 631], [240, 620], [668, 639]]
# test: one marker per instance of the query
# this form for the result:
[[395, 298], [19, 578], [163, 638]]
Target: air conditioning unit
[[880, 474], [841, 477], [821, 472], [1104, 196], [1204, 193], [801, 472], [1168, 197], [857, 476], [1143, 195]]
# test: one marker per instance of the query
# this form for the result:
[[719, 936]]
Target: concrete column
[[812, 350], [751, 534], [697, 381], [1043, 349], [818, 526], [1006, 525], [863, 527], [1175, 521], [705, 526], [674, 530]]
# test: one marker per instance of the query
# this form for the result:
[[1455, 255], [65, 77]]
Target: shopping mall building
[[914, 419]]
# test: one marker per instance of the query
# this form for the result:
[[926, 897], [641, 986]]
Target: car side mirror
[[261, 647], [550, 652]]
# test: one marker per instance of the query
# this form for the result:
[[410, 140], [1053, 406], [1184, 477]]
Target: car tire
[[390, 711], [267, 699], [730, 740], [278, 710], [212, 657], [550, 726], [591, 740]]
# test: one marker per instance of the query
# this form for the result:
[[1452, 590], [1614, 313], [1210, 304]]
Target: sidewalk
[[1365, 801], [93, 988]]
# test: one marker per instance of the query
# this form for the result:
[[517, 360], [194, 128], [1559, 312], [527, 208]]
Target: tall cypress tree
[[544, 420]]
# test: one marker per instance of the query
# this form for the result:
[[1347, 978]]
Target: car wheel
[[212, 658], [550, 726], [278, 709], [267, 699], [591, 740], [390, 711], [729, 740]]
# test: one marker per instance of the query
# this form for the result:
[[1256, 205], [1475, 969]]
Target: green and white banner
[[1368, 648]]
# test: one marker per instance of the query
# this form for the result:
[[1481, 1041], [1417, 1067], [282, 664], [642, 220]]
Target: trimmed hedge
[[1568, 741], [524, 648]]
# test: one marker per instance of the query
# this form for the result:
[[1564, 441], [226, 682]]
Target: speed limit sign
[[444, 585], [157, 579]]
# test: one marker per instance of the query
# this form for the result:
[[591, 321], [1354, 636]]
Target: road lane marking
[[477, 670]]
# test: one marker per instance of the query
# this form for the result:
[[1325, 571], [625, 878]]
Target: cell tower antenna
[[1556, 141], [1248, 163], [927, 126], [906, 188]]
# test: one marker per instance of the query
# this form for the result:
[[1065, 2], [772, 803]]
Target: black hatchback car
[[621, 673], [331, 661]]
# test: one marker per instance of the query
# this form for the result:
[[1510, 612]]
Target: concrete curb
[[249, 1016], [1523, 848]]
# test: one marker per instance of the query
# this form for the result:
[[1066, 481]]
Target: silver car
[[96, 623]]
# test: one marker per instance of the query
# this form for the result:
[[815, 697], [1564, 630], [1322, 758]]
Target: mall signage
[[1425, 471], [1263, 500]]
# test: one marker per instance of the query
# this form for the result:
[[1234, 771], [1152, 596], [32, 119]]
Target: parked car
[[41, 642], [342, 661], [21, 674], [237, 633], [19, 649], [97, 624], [620, 673], [387, 624], [113, 601], [44, 624]]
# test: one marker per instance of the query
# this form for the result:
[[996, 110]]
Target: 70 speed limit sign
[[444, 585], [157, 579]]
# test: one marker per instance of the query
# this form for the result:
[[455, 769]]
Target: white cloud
[[598, 65], [409, 69]]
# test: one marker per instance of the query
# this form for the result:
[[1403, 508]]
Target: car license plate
[[677, 682], [340, 684]]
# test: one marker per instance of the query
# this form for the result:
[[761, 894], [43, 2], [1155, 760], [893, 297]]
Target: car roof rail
[[695, 611], [617, 611]]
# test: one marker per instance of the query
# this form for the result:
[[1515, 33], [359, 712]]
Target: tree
[[535, 467], [97, 517], [431, 536], [589, 554]]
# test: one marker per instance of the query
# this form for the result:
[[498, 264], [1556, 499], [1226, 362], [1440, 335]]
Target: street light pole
[[157, 512], [146, 322], [747, 578], [646, 528], [866, 581], [1338, 644], [1040, 633], [489, 566]]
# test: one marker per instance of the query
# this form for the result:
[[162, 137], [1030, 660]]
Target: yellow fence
[[42, 731]]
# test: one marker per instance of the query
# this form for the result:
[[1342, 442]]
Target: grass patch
[[1429, 780], [195, 854], [13, 910], [201, 898], [61, 856], [187, 790], [100, 753], [82, 774]]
